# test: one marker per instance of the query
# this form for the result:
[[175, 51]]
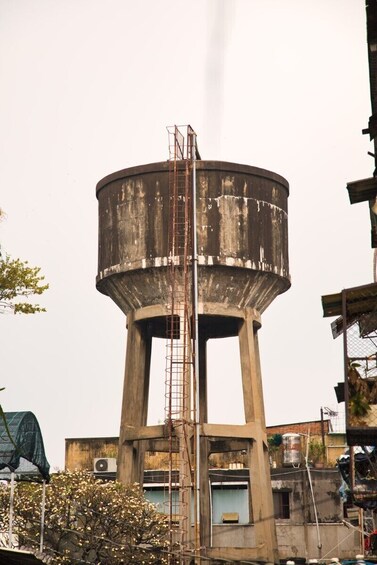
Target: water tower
[[194, 250]]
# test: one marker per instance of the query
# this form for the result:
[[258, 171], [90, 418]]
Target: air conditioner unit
[[230, 518], [105, 465]]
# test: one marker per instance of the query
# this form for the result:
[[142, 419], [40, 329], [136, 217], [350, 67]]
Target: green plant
[[87, 521], [317, 451], [19, 281], [274, 443], [359, 405]]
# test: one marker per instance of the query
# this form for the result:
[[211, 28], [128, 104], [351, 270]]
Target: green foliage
[[317, 451], [359, 405], [18, 280], [88, 521], [275, 440]]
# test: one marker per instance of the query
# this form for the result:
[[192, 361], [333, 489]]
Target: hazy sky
[[87, 88]]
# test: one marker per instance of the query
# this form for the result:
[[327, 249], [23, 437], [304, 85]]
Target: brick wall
[[300, 428]]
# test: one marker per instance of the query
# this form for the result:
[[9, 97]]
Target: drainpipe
[[196, 399], [319, 543]]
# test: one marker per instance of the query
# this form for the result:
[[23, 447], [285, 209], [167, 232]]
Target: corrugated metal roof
[[362, 190], [359, 299]]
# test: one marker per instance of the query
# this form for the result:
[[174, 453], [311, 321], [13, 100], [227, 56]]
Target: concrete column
[[260, 481], [205, 499], [203, 397], [135, 401], [251, 372]]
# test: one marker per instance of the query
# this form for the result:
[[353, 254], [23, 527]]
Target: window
[[230, 503], [281, 504]]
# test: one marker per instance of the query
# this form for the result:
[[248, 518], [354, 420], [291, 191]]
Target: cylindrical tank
[[242, 237], [291, 450]]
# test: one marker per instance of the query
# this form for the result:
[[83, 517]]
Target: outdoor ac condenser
[[105, 465]]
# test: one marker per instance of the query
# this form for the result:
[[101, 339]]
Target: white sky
[[87, 88]]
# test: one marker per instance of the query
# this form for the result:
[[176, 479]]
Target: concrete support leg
[[204, 487], [135, 401], [205, 500], [260, 482], [203, 401]]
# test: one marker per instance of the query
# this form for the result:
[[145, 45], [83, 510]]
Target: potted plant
[[274, 448], [317, 453]]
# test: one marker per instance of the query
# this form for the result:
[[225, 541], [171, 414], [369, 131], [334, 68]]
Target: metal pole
[[352, 469], [319, 542], [11, 510], [361, 532], [322, 428], [196, 342], [43, 507]]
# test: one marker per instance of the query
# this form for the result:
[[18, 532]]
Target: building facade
[[311, 519]]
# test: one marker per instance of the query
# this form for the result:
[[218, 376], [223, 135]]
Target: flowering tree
[[87, 521], [18, 280]]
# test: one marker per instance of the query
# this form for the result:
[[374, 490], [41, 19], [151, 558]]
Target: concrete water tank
[[242, 237]]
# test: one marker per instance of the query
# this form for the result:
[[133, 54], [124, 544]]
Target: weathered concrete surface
[[297, 536], [242, 235], [81, 452], [293, 541], [326, 485], [243, 265]]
